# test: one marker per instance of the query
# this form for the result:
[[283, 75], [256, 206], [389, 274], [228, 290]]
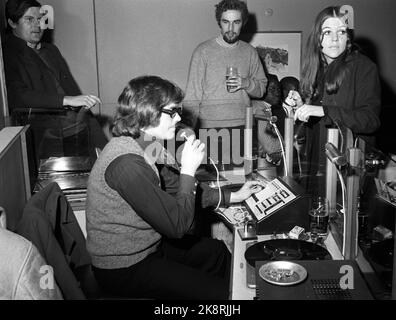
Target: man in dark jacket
[[40, 83]]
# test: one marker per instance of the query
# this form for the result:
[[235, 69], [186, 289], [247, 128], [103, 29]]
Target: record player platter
[[285, 249]]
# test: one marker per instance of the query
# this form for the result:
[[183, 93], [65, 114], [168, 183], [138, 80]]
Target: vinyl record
[[285, 249], [382, 253]]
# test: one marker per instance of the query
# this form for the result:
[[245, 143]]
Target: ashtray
[[283, 273]]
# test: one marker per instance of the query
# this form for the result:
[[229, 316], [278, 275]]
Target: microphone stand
[[344, 205], [248, 143], [289, 147], [289, 139], [350, 232], [351, 216], [331, 176]]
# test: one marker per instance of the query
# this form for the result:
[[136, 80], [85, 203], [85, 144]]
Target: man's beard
[[228, 40]]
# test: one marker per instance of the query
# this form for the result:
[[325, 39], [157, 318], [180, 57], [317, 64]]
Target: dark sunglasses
[[173, 112]]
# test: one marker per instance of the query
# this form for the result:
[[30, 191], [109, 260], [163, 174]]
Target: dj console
[[289, 269]]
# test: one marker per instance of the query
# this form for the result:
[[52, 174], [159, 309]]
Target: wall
[[148, 37], [74, 34]]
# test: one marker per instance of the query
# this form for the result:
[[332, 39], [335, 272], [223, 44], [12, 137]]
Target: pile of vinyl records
[[70, 173]]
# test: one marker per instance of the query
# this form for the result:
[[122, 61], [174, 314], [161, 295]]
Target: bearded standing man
[[208, 103]]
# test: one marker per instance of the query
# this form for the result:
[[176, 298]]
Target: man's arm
[[205, 195], [194, 89], [257, 81], [31, 85], [209, 197]]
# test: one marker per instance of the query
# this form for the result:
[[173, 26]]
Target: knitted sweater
[[206, 95], [117, 237]]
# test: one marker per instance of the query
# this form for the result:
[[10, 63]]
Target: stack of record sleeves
[[70, 173]]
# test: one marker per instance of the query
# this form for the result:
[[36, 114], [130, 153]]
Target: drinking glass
[[230, 73], [319, 216]]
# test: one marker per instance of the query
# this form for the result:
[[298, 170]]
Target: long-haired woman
[[339, 86]]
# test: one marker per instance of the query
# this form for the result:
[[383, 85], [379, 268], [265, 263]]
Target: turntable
[[244, 289], [313, 275], [285, 249], [280, 250], [315, 280]]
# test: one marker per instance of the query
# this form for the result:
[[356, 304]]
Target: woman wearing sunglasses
[[140, 204]]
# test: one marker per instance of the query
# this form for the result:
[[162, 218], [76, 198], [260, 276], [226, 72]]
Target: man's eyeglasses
[[32, 20], [173, 112]]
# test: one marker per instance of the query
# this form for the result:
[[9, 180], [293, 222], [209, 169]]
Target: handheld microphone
[[185, 131], [334, 155]]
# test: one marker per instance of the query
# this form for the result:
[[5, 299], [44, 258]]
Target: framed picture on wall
[[280, 52]]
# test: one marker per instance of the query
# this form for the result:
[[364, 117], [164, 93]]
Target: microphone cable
[[282, 146], [296, 141], [341, 135], [184, 135], [272, 121], [218, 181]]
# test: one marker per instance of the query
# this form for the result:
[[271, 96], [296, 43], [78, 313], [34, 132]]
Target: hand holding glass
[[231, 72]]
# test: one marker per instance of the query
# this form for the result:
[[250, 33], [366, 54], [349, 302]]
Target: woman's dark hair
[[314, 64], [140, 104], [15, 9], [225, 5]]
